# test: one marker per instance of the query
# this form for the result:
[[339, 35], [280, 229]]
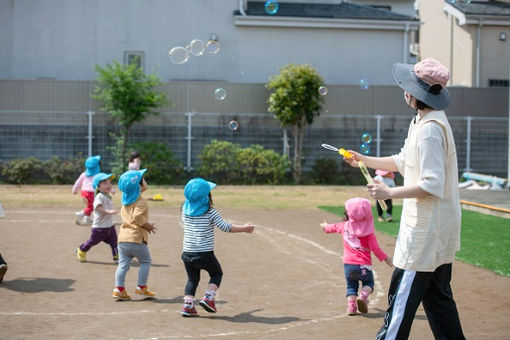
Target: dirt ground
[[284, 281]]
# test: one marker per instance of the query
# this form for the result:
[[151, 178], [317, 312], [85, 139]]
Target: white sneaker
[[79, 216], [88, 220]]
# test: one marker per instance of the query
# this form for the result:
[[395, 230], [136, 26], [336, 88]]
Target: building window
[[498, 82], [135, 57], [385, 8]]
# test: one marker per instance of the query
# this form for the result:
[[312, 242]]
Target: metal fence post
[[189, 138], [468, 143], [378, 134], [90, 113]]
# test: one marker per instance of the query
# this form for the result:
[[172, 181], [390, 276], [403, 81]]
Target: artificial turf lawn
[[485, 239]]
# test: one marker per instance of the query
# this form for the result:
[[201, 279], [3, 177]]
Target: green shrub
[[325, 171], [225, 162], [163, 167], [64, 171], [219, 162], [260, 166], [22, 171]]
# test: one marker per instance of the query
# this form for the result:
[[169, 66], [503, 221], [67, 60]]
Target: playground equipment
[[495, 183]]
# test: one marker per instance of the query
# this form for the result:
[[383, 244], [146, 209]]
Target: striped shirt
[[199, 231]]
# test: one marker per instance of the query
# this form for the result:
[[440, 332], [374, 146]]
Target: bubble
[[323, 90], [366, 138], [271, 7], [178, 55], [196, 47], [233, 125], [451, 1], [365, 149], [363, 83], [220, 93], [213, 47], [467, 2]]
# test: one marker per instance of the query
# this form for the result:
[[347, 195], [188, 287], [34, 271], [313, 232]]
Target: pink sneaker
[[351, 307], [362, 302], [189, 311], [208, 305]]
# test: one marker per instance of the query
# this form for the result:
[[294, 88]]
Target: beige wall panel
[[495, 54]]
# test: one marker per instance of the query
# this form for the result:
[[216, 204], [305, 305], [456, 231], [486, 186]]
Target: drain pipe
[[478, 43], [406, 47], [241, 8]]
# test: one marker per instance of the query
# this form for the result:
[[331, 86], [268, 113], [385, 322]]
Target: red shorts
[[88, 197]]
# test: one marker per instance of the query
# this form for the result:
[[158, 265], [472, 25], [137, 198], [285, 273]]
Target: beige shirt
[[429, 232], [134, 216]]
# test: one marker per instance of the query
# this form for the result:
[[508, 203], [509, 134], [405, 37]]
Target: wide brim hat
[[99, 178], [129, 184], [196, 194], [92, 167], [361, 220], [384, 173], [416, 86]]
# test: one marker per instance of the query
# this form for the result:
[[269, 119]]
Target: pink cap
[[384, 173], [361, 221], [432, 72]]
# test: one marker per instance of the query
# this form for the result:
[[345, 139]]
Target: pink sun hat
[[384, 173], [361, 221]]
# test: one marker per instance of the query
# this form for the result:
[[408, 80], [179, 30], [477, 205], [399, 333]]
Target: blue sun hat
[[99, 178], [92, 166], [196, 194], [129, 184]]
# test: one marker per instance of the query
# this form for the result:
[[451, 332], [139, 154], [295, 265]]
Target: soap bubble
[[196, 47], [366, 138], [271, 7], [220, 93], [212, 46], [451, 1], [323, 90], [467, 2], [178, 55], [365, 149], [233, 125], [363, 83]]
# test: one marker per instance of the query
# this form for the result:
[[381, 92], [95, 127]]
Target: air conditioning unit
[[414, 49]]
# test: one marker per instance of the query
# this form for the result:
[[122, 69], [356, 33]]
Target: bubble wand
[[361, 165]]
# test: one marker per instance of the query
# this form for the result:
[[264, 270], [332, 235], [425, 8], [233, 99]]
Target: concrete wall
[[64, 39]]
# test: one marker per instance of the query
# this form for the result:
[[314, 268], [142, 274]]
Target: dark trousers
[[194, 262], [2, 261], [389, 203], [106, 235], [407, 289]]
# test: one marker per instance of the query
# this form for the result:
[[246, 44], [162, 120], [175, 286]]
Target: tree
[[295, 101], [129, 96]]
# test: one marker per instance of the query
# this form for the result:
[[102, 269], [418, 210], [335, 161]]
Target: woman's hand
[[379, 190]]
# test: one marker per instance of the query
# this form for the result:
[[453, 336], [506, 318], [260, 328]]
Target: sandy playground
[[284, 281]]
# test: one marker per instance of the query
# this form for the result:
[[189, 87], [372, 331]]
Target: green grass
[[485, 239]]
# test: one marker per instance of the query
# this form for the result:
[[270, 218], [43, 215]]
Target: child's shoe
[[351, 307], [87, 220], [79, 217], [208, 305], [122, 296], [3, 270], [389, 218], [116, 258], [81, 255], [380, 219], [145, 292], [189, 310], [362, 301]]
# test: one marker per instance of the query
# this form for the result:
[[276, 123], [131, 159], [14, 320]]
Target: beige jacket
[[133, 217], [429, 232]]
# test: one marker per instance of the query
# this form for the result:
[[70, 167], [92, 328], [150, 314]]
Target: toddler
[[133, 234], [134, 160], [103, 228], [387, 177], [84, 182], [199, 219], [359, 240]]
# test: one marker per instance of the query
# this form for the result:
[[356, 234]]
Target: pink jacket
[[84, 183]]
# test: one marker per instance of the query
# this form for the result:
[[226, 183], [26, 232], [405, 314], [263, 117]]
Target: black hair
[[210, 201], [434, 89], [134, 154]]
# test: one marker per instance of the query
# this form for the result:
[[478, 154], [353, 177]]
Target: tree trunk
[[298, 132]]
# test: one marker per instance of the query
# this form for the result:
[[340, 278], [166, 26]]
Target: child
[[134, 160], [199, 219], [103, 228], [84, 182], [133, 234], [388, 178], [358, 239]]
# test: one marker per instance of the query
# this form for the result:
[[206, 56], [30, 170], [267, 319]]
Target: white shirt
[[429, 233], [102, 220]]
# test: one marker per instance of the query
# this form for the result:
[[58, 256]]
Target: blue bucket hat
[[129, 184], [92, 166], [99, 178], [196, 194]]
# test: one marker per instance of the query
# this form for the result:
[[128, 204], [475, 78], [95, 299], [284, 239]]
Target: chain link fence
[[482, 142]]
